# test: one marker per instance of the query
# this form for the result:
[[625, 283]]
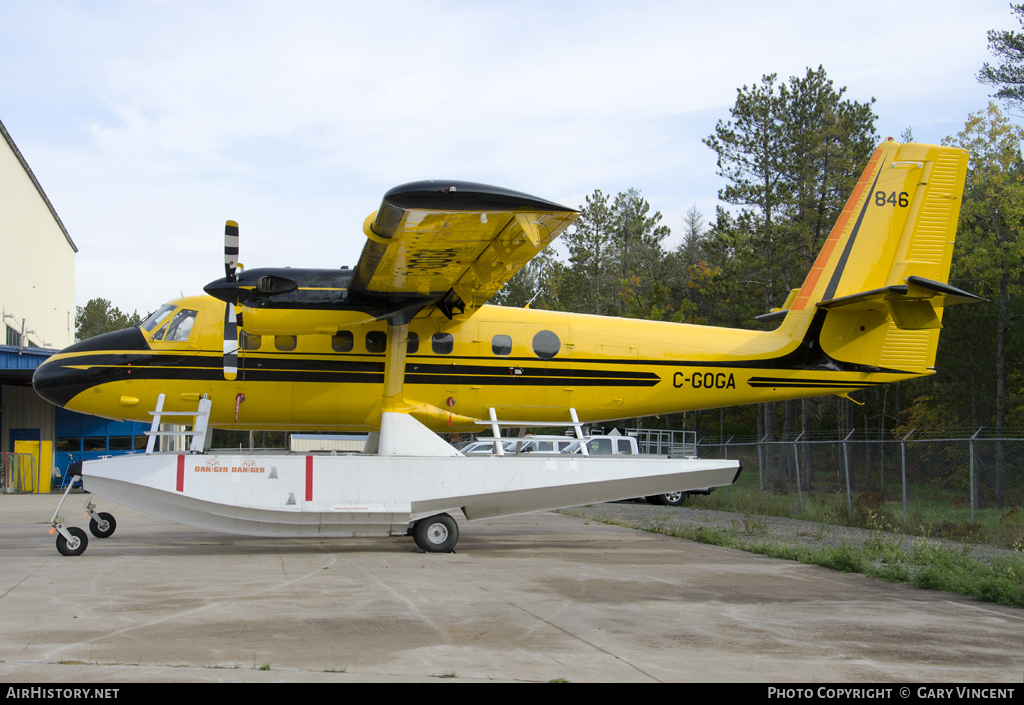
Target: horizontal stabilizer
[[912, 304]]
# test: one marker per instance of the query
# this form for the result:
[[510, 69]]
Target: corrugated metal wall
[[23, 408]]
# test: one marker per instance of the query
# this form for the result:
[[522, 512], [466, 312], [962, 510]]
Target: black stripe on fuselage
[[510, 371], [805, 383], [109, 366]]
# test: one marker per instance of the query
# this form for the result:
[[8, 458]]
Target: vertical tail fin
[[883, 273]]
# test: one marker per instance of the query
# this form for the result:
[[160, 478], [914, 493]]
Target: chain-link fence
[[926, 478], [18, 473]]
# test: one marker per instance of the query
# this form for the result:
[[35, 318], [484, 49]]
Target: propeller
[[232, 321], [230, 249]]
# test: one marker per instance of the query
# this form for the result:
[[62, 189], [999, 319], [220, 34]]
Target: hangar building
[[37, 295], [37, 301]]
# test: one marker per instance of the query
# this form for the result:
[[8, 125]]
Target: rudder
[[882, 275]]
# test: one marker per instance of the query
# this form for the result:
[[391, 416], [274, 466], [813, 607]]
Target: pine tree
[[98, 317], [1008, 76]]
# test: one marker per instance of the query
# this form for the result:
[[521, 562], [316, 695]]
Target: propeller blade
[[230, 343], [230, 249]]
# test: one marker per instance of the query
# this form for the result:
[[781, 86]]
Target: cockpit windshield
[[179, 329], [157, 318]]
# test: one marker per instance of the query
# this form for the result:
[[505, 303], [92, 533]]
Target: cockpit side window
[[157, 318], [180, 327]]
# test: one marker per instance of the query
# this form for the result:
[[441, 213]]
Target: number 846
[[903, 200]]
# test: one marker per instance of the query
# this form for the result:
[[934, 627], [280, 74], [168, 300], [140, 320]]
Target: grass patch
[[929, 518], [926, 565]]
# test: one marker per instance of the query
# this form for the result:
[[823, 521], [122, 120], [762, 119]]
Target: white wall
[[37, 263]]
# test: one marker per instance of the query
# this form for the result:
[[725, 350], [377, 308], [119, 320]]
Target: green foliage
[[1008, 76], [98, 316], [535, 285], [791, 153]]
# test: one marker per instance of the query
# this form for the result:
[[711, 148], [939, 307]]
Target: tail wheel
[[104, 527], [76, 546], [436, 534]]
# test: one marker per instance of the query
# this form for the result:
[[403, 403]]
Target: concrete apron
[[531, 597]]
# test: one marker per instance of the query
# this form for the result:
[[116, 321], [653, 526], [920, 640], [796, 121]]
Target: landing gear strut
[[436, 534], [72, 541]]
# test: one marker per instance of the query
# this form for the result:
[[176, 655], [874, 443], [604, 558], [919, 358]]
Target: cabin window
[[376, 341], [342, 341], [140, 442], [251, 342], [158, 317], [599, 446], [501, 345], [625, 448], [179, 329], [285, 343], [546, 345], [442, 343], [413, 345]]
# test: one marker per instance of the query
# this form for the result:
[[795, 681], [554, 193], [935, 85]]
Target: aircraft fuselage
[[527, 364]]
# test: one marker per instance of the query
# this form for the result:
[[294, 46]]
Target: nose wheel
[[102, 525], [72, 544], [436, 534], [72, 541]]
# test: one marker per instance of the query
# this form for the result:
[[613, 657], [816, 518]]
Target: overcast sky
[[151, 123]]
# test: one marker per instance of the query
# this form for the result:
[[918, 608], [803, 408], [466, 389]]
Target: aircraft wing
[[453, 242]]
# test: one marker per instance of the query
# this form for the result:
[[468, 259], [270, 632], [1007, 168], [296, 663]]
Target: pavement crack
[[38, 568], [410, 604], [178, 615], [571, 635]]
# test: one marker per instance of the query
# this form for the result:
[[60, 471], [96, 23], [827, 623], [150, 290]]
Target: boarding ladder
[[199, 427]]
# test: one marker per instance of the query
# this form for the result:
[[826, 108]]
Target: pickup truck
[[596, 445], [626, 445]]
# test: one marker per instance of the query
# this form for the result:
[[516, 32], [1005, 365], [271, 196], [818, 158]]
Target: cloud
[[151, 123]]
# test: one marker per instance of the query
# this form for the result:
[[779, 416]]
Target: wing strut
[[400, 433]]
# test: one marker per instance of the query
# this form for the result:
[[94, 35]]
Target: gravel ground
[[760, 528]]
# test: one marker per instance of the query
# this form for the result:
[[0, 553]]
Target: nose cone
[[46, 380], [95, 361]]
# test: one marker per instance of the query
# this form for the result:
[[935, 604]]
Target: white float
[[385, 494]]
